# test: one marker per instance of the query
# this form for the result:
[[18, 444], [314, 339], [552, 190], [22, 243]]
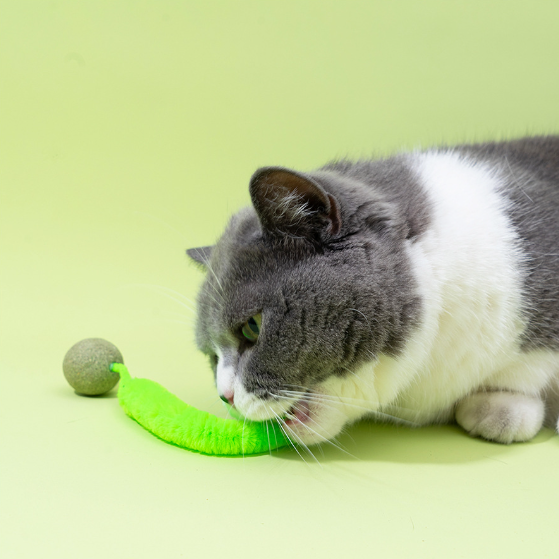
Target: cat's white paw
[[504, 417]]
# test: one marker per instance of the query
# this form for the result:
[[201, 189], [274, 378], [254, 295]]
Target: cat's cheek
[[256, 409]]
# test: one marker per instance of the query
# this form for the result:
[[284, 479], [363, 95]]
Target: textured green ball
[[87, 365]]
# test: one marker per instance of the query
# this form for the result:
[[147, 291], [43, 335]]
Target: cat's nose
[[228, 398]]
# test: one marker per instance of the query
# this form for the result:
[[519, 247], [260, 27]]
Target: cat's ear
[[293, 204], [201, 255]]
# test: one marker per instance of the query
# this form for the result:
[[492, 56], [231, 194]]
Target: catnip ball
[[87, 365]]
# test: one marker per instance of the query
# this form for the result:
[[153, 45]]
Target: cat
[[422, 287]]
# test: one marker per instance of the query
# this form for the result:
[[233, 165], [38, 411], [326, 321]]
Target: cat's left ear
[[293, 204], [201, 255]]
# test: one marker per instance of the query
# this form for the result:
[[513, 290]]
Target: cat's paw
[[504, 417]]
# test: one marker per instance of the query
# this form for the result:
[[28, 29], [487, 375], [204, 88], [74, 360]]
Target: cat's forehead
[[242, 254], [249, 273]]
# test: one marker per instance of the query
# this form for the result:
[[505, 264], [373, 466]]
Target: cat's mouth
[[299, 412]]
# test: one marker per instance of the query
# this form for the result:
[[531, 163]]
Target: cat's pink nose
[[228, 397]]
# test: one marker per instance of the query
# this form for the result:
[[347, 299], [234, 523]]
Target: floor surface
[[129, 132]]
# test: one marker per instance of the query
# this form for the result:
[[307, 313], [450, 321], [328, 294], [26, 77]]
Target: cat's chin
[[300, 412], [304, 422], [311, 423]]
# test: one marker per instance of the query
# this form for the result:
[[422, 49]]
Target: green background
[[129, 131]]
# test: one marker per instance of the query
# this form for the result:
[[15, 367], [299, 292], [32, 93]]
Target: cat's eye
[[251, 328]]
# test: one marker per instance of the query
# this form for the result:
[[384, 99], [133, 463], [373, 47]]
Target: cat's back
[[536, 157], [491, 213]]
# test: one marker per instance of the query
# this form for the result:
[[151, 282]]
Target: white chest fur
[[470, 274]]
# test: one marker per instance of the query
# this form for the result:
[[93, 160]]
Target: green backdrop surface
[[128, 133]]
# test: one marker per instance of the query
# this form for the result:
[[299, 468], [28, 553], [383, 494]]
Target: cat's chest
[[469, 274]]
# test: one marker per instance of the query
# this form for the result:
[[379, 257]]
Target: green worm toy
[[94, 366]]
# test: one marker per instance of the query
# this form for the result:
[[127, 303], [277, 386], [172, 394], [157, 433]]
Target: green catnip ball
[[87, 366]]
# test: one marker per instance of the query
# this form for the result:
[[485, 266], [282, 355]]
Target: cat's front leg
[[501, 416]]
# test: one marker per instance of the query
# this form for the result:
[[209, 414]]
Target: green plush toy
[[93, 366]]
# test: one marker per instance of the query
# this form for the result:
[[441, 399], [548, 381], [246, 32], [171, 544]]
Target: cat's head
[[301, 290]]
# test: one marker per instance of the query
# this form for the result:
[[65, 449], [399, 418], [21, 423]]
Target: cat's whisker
[[191, 324], [186, 319], [307, 449], [268, 423], [244, 425], [176, 293], [302, 444], [228, 410], [209, 267], [344, 399], [175, 313], [323, 399], [374, 358], [163, 291], [307, 390], [328, 398], [218, 303], [322, 403], [332, 403], [351, 373], [294, 406], [166, 289], [216, 292], [325, 439], [372, 318], [308, 398], [282, 426], [268, 435], [322, 437], [395, 419]]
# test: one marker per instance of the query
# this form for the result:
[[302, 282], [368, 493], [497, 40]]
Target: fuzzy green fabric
[[177, 423]]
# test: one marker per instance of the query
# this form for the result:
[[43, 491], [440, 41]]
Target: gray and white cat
[[423, 287]]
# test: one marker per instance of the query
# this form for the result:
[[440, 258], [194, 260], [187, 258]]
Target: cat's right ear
[[200, 255]]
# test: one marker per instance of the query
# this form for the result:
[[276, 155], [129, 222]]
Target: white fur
[[501, 416], [225, 376], [465, 357], [469, 276], [257, 409], [469, 270]]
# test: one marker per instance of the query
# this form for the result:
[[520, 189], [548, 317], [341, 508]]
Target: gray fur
[[335, 296]]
